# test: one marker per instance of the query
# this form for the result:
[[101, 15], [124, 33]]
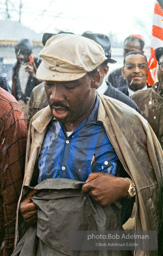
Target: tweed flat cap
[[68, 57]]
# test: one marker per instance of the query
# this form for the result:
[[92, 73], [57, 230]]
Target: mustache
[[132, 78], [135, 75], [58, 104]]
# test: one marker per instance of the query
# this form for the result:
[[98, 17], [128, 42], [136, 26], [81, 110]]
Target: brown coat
[[136, 146], [150, 103]]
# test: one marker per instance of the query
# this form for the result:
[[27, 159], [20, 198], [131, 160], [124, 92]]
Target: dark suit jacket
[[116, 78], [116, 94]]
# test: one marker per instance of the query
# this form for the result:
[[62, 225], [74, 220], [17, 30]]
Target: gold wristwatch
[[132, 189]]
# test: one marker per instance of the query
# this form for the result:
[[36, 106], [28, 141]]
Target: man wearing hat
[[86, 156], [24, 73], [38, 99], [150, 101], [105, 87]]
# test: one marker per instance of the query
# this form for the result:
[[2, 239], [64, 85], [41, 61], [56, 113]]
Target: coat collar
[[42, 119]]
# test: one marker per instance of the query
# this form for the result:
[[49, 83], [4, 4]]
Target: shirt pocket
[[105, 166]]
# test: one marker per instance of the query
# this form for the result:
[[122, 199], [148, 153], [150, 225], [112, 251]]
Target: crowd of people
[[81, 148]]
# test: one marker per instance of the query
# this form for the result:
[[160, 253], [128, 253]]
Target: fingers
[[30, 217], [29, 212], [86, 187], [28, 209], [24, 206], [29, 67], [89, 185], [93, 176], [30, 194], [29, 64], [103, 187]]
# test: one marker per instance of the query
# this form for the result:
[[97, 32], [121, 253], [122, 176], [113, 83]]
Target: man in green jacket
[[86, 137]]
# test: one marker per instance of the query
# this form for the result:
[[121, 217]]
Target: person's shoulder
[[142, 93], [9, 104], [38, 88], [117, 94], [38, 97], [117, 104], [119, 111], [7, 97], [125, 116], [124, 89]]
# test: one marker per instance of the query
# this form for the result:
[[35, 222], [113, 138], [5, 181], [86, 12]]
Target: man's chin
[[136, 87]]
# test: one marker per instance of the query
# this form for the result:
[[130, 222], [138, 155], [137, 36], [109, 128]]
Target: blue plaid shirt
[[70, 157]]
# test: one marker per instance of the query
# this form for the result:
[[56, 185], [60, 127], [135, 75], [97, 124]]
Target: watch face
[[132, 191]]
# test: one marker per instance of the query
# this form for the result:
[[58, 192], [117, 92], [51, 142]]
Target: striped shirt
[[70, 157]]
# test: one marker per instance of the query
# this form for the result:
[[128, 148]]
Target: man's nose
[[136, 69], [57, 93]]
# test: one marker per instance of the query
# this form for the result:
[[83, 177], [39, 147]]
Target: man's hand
[[106, 188], [30, 69], [28, 209]]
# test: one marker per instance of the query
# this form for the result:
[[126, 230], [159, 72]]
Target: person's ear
[[106, 70], [95, 81], [122, 72]]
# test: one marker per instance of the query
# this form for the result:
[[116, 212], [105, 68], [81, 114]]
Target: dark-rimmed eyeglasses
[[160, 64], [142, 66]]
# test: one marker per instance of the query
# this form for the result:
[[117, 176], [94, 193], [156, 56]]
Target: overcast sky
[[121, 17]]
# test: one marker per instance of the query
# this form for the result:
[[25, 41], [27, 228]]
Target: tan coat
[[135, 144], [150, 103]]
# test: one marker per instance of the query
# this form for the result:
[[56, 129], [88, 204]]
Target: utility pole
[[7, 11], [20, 10]]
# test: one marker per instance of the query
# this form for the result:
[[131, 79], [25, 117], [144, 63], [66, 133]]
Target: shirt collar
[[92, 118], [132, 92]]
